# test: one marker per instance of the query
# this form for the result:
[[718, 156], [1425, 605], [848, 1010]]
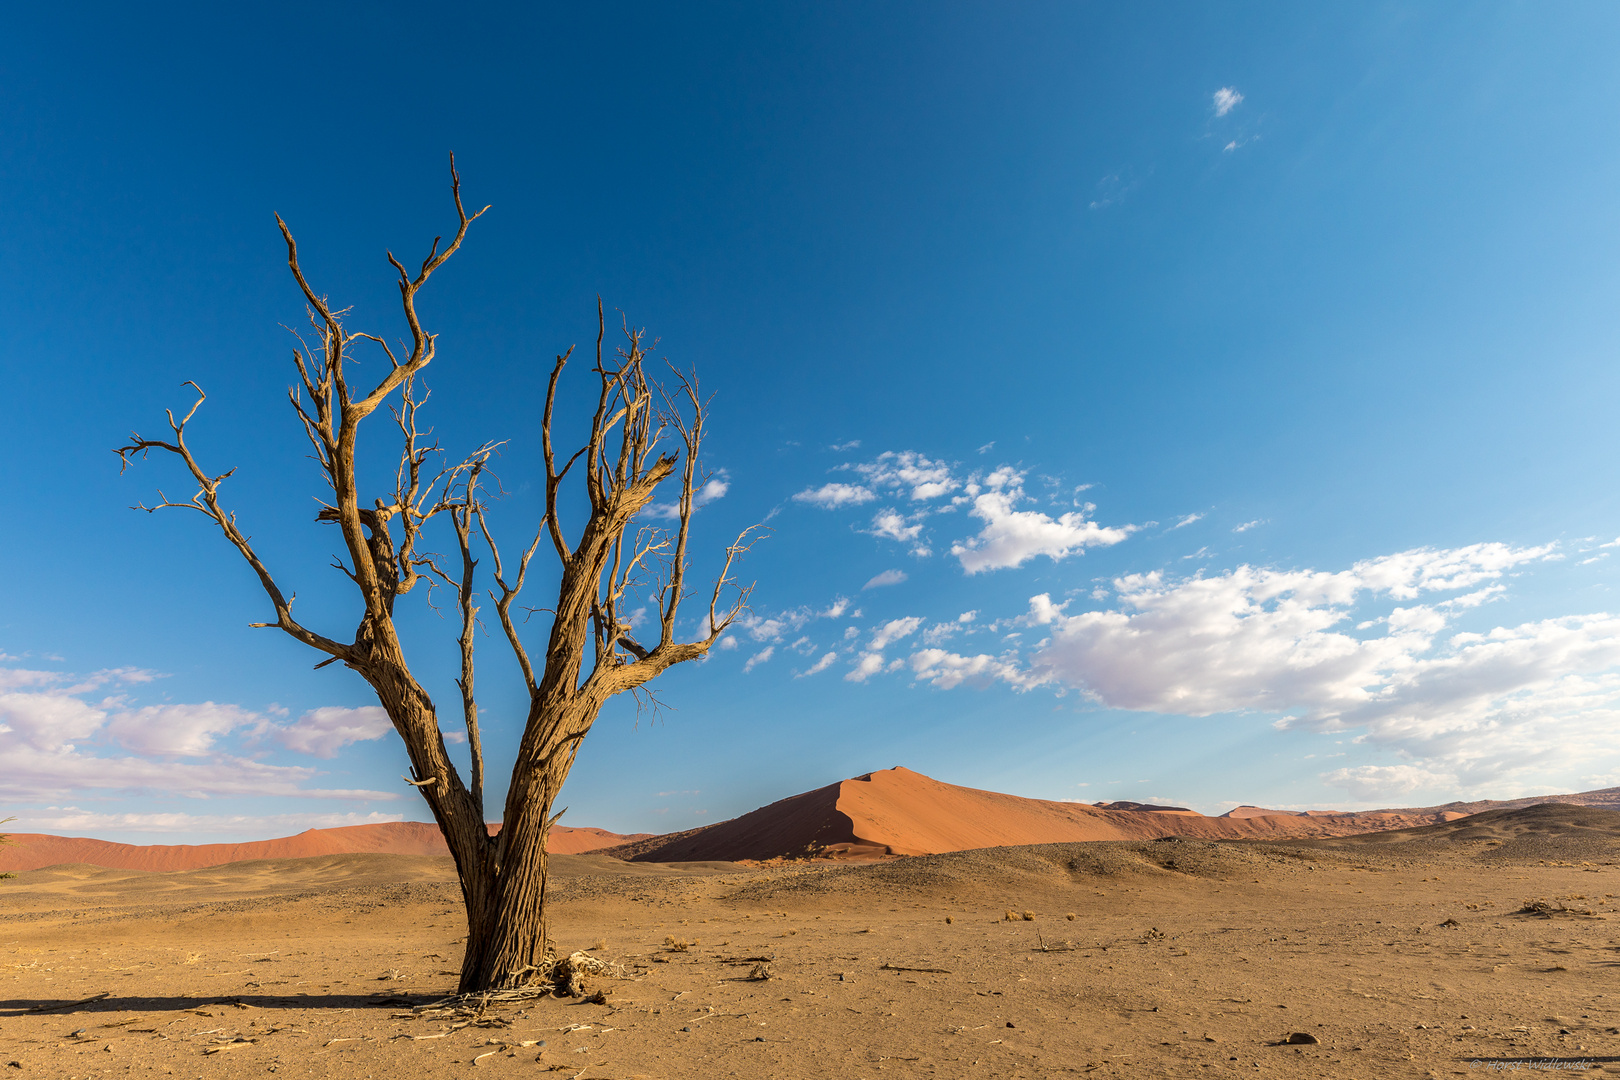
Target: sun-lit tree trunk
[[590, 654]]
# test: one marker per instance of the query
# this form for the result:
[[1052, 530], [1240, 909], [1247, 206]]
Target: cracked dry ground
[[1182, 959]]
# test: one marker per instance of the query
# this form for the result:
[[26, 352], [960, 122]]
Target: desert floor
[[1181, 958]]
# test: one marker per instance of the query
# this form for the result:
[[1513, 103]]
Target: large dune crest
[[901, 812], [30, 851]]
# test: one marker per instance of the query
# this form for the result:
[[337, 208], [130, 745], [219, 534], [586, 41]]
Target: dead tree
[[642, 433]]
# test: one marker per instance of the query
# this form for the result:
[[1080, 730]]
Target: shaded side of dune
[[799, 826]]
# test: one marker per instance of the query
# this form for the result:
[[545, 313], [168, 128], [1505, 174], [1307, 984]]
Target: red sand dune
[[900, 812], [1260, 811], [30, 851]]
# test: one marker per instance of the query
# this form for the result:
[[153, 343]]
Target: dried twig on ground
[[928, 971]]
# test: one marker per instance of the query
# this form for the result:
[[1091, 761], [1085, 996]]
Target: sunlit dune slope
[[901, 812]]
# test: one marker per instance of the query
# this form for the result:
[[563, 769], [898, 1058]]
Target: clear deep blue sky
[[1319, 301]]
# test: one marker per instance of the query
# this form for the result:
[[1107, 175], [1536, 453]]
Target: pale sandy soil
[[1190, 958]]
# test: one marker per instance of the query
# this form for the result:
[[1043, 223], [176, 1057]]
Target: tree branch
[[207, 500]]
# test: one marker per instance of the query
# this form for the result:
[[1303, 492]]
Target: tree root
[[553, 977]]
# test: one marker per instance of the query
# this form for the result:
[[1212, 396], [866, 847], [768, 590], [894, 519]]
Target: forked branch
[[206, 500]]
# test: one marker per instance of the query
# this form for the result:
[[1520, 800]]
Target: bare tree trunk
[[503, 878]]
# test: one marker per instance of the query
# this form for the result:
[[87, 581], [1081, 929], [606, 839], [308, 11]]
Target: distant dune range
[[880, 815], [31, 851]]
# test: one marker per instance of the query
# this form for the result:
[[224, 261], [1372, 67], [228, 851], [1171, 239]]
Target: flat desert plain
[[1400, 954]]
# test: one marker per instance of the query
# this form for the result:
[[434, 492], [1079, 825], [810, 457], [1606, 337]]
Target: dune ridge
[[898, 811], [31, 851]]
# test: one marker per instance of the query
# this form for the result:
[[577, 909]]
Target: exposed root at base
[[552, 978]]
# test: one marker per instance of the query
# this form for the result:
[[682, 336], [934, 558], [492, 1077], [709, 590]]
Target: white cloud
[[869, 664], [761, 657], [1184, 522], [1113, 189], [34, 774], [712, 490], [1380, 781], [324, 731], [46, 733], [853, 444], [833, 496], [1012, 537], [888, 577], [1226, 99], [71, 819], [1042, 612], [188, 730], [1247, 525], [907, 469], [820, 665], [890, 524], [1470, 710], [1461, 711], [871, 661], [893, 631], [1260, 639], [763, 629], [47, 722], [947, 669]]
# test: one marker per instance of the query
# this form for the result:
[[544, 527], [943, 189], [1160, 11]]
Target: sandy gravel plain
[[1402, 956]]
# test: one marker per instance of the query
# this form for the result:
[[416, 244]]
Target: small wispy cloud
[[1112, 189], [833, 496], [1184, 522], [820, 665], [711, 490], [888, 577], [1226, 99], [1247, 525], [853, 444]]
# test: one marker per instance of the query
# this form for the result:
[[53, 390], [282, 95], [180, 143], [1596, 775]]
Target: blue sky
[[1246, 371]]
